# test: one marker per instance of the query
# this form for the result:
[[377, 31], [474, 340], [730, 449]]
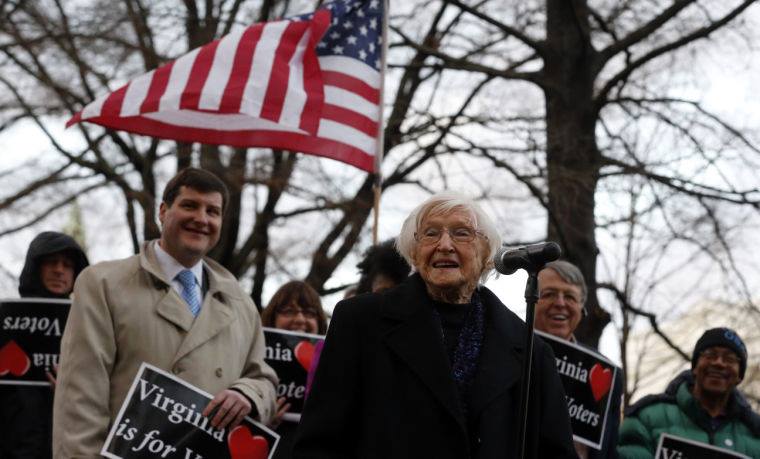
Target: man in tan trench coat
[[170, 307]]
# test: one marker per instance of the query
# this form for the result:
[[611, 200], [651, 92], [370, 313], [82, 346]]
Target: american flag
[[310, 84]]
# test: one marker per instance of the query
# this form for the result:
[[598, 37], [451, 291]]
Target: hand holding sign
[[161, 417], [231, 408]]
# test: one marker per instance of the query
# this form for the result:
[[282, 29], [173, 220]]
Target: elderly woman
[[431, 368]]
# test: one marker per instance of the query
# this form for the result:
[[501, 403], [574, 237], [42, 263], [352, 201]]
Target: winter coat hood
[[48, 243]]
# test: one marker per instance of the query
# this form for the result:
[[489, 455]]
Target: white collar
[[171, 267]]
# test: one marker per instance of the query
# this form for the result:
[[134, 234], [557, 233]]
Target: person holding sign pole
[[561, 303], [171, 307], [432, 367], [295, 306], [53, 262], [701, 404]]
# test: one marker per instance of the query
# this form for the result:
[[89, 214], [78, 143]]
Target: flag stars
[[354, 31]]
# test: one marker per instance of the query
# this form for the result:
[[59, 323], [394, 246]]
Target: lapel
[[416, 337], [170, 305], [216, 311], [501, 355]]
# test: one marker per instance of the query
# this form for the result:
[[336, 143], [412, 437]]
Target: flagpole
[[377, 186]]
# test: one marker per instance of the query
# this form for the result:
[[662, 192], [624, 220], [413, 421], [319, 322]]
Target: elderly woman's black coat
[[384, 388]]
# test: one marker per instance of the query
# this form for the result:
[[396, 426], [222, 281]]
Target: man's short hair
[[570, 274], [197, 179]]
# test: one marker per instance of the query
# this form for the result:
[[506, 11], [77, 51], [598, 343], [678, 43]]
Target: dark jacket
[[383, 388], [678, 413], [26, 412]]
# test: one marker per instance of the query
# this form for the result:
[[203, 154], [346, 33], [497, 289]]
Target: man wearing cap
[[171, 307], [701, 404]]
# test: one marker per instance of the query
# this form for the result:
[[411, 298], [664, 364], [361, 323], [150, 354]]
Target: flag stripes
[[197, 78], [266, 85]]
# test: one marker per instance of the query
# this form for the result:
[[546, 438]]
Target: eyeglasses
[[292, 311], [554, 295], [727, 357], [431, 235]]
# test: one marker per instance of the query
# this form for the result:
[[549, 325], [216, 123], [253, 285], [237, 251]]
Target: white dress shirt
[[172, 267]]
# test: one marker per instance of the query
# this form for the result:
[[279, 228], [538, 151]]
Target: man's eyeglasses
[[553, 295], [727, 357], [292, 311], [431, 235]]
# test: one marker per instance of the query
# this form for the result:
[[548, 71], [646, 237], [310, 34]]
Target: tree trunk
[[572, 156]]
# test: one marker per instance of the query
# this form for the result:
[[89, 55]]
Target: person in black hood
[[53, 262]]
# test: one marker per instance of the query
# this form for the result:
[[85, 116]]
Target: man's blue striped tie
[[189, 292]]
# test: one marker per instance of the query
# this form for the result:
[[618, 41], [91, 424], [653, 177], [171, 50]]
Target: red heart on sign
[[304, 354], [243, 445], [13, 360], [600, 378]]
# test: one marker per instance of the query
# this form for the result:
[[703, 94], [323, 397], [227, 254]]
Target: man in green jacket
[[701, 405]]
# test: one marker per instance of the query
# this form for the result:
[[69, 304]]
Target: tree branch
[[698, 34], [651, 317]]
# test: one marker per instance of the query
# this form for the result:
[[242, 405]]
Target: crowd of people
[[421, 360]]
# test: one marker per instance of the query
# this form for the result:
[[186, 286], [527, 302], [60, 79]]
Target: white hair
[[443, 203]]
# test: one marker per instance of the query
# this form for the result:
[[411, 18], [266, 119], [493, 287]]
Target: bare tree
[[603, 70], [57, 56]]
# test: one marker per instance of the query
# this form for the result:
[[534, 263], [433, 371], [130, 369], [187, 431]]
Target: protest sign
[[290, 354], [30, 339], [161, 418], [588, 379], [672, 447]]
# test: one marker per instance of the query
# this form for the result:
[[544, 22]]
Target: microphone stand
[[531, 297], [532, 259]]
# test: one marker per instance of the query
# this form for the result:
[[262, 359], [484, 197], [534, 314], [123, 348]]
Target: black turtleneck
[[452, 320]]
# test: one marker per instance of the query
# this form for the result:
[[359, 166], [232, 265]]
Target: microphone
[[530, 257]]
